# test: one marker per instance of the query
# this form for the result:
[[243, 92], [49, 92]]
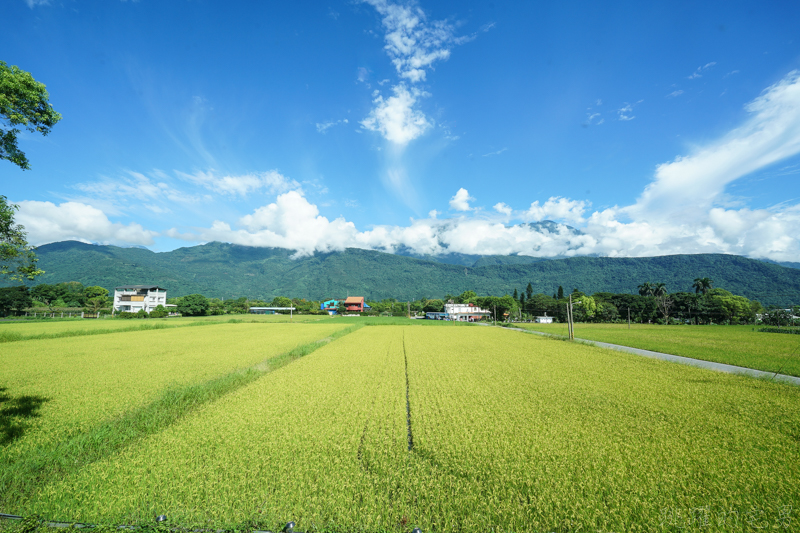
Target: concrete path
[[719, 367]]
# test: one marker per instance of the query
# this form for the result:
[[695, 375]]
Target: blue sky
[[654, 128]]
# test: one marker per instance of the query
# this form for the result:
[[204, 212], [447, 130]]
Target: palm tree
[[660, 289], [646, 289], [702, 285]]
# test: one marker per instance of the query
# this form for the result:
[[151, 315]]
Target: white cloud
[[46, 222], [290, 222], [503, 208], [272, 182], [685, 209], [673, 94], [395, 117], [461, 200], [556, 208], [694, 182], [412, 43], [322, 127], [34, 3]]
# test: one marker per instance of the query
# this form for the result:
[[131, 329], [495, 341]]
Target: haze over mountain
[[229, 271]]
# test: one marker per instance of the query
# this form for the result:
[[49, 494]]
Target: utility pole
[[571, 321], [494, 315], [629, 318]]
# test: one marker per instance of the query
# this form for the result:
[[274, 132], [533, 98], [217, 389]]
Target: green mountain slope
[[227, 270]]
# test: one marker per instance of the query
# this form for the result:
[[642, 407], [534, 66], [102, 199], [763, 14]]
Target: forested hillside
[[228, 271]]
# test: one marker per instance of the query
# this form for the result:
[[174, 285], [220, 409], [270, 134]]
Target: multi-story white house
[[464, 312], [132, 298]]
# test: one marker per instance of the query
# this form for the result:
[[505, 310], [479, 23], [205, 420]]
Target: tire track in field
[[408, 399]]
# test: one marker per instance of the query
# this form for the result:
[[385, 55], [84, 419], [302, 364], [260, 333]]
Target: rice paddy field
[[733, 345], [343, 427]]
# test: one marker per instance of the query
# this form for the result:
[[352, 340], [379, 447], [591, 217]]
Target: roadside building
[[330, 306], [464, 312], [544, 319], [133, 298], [355, 304], [269, 310]]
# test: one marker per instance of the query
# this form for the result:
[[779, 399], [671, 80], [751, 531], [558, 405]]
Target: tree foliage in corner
[[17, 259], [23, 102]]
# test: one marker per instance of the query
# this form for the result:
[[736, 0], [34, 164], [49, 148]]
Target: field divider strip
[[20, 479], [708, 365]]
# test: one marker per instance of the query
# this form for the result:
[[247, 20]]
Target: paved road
[[719, 367]]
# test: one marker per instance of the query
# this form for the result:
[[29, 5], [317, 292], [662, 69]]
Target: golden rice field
[[16, 330], [733, 345], [387, 428]]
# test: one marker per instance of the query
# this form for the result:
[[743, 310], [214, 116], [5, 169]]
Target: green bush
[[159, 312]]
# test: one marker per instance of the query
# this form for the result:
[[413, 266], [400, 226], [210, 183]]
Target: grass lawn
[[734, 345]]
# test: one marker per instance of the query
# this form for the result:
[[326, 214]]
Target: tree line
[[654, 304]]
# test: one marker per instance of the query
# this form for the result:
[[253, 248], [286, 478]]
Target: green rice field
[[733, 345], [340, 427]]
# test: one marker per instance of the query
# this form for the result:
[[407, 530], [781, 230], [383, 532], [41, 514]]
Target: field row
[[511, 432]]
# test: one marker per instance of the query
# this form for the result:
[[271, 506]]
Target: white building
[[544, 319], [464, 312], [132, 298]]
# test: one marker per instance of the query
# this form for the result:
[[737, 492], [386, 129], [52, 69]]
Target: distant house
[[355, 304], [464, 312], [133, 298], [330, 306], [544, 319]]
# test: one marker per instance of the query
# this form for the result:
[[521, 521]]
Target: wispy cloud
[[414, 44], [698, 73], [322, 127], [625, 112], [673, 94], [497, 152], [272, 182], [592, 119], [770, 134], [684, 210], [34, 3]]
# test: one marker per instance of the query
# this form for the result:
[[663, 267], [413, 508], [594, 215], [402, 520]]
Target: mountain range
[[225, 270]]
